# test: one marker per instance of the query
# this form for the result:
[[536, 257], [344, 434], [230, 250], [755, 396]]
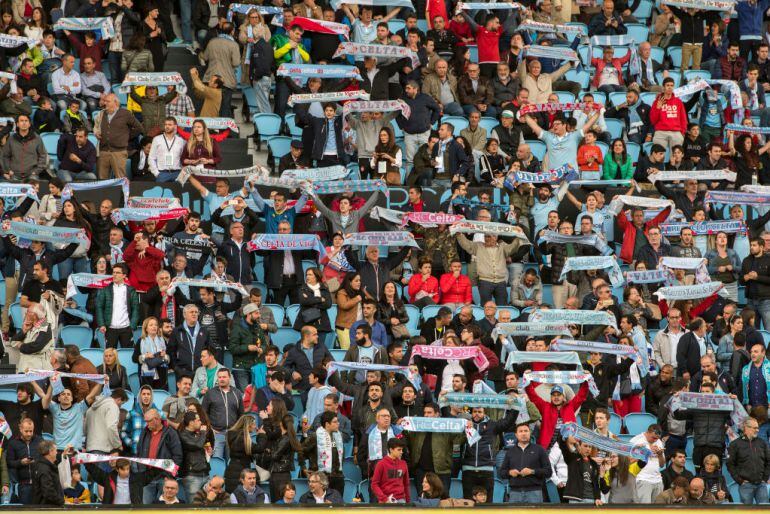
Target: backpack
[[261, 60]]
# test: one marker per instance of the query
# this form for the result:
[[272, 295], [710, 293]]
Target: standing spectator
[[21, 452], [165, 159], [224, 405], [157, 441], [114, 127], [390, 481], [526, 467], [187, 341], [668, 117], [755, 275], [223, 56], [424, 113], [749, 464], [23, 155], [649, 481], [755, 378], [66, 83], [585, 478], [46, 486], [117, 312]]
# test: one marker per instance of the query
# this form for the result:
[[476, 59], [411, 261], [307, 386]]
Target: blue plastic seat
[[618, 97], [616, 423], [77, 335], [458, 122], [266, 126], [284, 336], [124, 357], [414, 317], [217, 467], [489, 124], [279, 146], [278, 313], [537, 148], [633, 151], [637, 422], [565, 96], [8, 395], [638, 32], [675, 54], [95, 355], [615, 127], [50, 142], [292, 311], [294, 130]]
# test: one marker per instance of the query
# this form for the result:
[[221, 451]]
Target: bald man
[[698, 493], [213, 494]]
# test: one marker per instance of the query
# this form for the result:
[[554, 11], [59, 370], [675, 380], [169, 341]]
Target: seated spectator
[[589, 156], [618, 165], [74, 119], [609, 73], [77, 157]]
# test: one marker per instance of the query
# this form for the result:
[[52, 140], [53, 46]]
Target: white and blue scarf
[[604, 262]]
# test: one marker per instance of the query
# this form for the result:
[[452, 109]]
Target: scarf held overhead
[[441, 425], [377, 51], [281, 242], [452, 352], [104, 25], [377, 106], [605, 262], [334, 96], [157, 79], [328, 71], [573, 317], [380, 238], [606, 444], [167, 465], [560, 377]]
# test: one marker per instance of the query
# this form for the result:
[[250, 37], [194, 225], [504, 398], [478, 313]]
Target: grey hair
[[322, 478], [61, 359], [37, 310], [189, 306], [710, 357]]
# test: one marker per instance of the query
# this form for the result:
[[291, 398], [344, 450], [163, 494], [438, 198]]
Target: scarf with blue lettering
[[653, 276], [566, 172], [519, 400], [516, 357], [349, 186], [382, 238], [46, 234], [573, 317], [139, 214], [264, 10], [326, 174], [466, 202], [170, 78], [701, 228], [560, 377], [281, 242], [441, 426], [595, 240], [324, 445], [605, 262], [674, 293], [413, 377], [736, 198], [606, 444], [696, 263], [10, 190], [329, 71], [519, 329], [552, 52]]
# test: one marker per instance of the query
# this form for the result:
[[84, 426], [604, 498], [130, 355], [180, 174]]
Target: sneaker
[[177, 41]]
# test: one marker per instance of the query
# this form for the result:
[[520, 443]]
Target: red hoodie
[[672, 117], [143, 269], [551, 414], [391, 477]]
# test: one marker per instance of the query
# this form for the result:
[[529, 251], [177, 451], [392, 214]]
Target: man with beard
[[545, 202], [193, 243], [659, 387]]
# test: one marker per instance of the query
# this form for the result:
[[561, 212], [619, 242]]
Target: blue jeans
[[192, 485], [220, 445], [152, 491], [262, 92], [166, 176], [116, 74], [493, 291], [77, 265], [185, 13], [753, 492], [202, 36], [453, 109], [69, 176], [762, 308], [519, 496]]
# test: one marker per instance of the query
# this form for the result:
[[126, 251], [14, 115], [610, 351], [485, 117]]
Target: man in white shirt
[[117, 309], [649, 481], [66, 83], [165, 158]]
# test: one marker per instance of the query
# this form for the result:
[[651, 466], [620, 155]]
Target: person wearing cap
[[293, 160], [558, 409], [508, 134]]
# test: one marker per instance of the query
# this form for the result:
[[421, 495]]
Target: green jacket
[[153, 111], [442, 445], [611, 170], [241, 336], [282, 50], [104, 301]]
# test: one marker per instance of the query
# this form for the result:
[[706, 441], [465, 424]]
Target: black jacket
[[201, 12], [622, 114], [372, 279], [759, 288], [16, 449], [296, 360], [424, 113], [378, 88], [482, 453], [654, 393], [533, 457], [185, 354], [261, 60], [574, 487], [669, 474], [688, 355], [46, 489], [239, 459], [239, 260], [320, 131], [726, 383], [109, 482], [605, 375], [708, 427], [273, 263], [456, 161], [332, 496], [27, 260], [309, 301], [194, 456], [169, 447], [749, 461]]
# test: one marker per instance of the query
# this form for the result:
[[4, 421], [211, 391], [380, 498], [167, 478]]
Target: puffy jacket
[[194, 462], [708, 428], [169, 447], [732, 70], [749, 460], [550, 412], [482, 454]]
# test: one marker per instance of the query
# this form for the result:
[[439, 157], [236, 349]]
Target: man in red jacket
[[668, 117], [390, 482], [636, 229], [558, 409], [144, 261]]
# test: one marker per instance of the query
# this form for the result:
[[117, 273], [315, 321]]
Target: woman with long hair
[[281, 451], [391, 312], [37, 24], [110, 366], [196, 451], [241, 449], [314, 302], [620, 479], [272, 417], [201, 148], [746, 157], [618, 164], [151, 355], [386, 159], [431, 491], [726, 346], [349, 307], [154, 34], [252, 30], [72, 217], [136, 58], [723, 265]]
